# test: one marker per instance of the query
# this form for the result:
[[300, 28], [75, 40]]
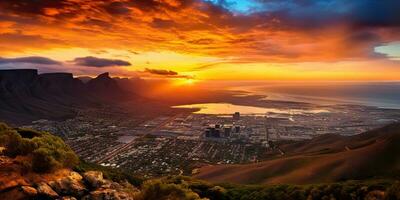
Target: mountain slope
[[323, 159], [26, 96]]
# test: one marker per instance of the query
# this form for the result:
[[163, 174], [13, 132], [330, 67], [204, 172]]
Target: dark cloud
[[9, 40], [364, 37], [294, 13], [91, 61], [162, 72], [30, 60], [163, 23], [33, 6], [117, 8], [371, 13], [203, 41]]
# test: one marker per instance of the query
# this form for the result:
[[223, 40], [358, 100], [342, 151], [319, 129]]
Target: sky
[[305, 40]]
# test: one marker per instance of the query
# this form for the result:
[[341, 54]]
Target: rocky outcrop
[[108, 193], [106, 189], [94, 179], [70, 185], [29, 191], [45, 190], [92, 186]]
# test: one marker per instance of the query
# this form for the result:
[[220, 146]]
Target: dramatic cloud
[[273, 30], [161, 72], [229, 31], [91, 61], [29, 60]]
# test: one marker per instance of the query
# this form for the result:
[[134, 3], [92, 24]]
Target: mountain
[[26, 95], [327, 158], [106, 88]]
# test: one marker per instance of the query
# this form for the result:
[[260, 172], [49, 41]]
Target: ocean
[[382, 94], [379, 94]]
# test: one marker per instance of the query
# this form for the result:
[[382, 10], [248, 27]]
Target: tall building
[[237, 129], [227, 131], [266, 129], [236, 116]]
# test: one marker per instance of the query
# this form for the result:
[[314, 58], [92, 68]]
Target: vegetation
[[48, 152], [116, 175], [164, 190], [349, 190]]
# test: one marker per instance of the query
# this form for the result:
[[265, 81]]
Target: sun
[[185, 82], [189, 82]]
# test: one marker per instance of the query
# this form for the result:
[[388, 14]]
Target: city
[[184, 141]]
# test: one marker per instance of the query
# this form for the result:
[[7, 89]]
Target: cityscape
[[183, 142], [200, 100]]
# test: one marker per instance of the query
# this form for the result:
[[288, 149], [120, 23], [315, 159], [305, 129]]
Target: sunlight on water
[[227, 108]]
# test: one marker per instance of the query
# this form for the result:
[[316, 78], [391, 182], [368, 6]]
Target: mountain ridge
[[26, 95]]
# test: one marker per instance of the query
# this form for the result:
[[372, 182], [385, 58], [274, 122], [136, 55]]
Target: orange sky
[[203, 39]]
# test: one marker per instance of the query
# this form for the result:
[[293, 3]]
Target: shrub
[[393, 192], [158, 189], [48, 152]]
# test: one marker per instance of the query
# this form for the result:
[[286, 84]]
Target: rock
[[94, 179], [70, 185], [109, 194], [67, 198], [75, 176], [30, 191], [375, 195], [45, 190], [14, 194]]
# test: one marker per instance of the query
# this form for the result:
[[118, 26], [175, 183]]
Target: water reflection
[[227, 108]]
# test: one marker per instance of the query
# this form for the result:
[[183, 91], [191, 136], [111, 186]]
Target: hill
[[26, 95], [21, 178], [327, 158]]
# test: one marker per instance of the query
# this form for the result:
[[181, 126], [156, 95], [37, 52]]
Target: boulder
[[75, 176], [29, 191], [70, 185], [67, 198], [94, 179], [109, 194], [45, 190], [14, 194], [375, 195]]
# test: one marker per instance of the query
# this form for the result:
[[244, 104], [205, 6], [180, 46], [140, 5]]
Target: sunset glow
[[207, 40]]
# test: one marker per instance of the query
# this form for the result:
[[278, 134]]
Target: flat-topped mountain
[[26, 95]]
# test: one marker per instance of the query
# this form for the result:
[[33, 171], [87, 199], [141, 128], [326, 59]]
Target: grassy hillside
[[329, 158]]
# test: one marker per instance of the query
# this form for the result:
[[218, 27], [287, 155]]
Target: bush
[[48, 152], [393, 192], [157, 189], [43, 161]]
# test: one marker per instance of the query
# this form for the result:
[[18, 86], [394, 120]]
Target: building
[[237, 129], [236, 116], [227, 131]]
